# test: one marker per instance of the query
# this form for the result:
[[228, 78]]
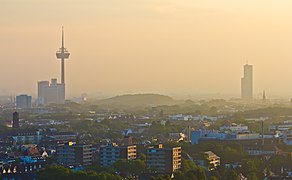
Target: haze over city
[[130, 46], [146, 89]]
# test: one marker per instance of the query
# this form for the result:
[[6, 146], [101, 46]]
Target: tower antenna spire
[[62, 37]]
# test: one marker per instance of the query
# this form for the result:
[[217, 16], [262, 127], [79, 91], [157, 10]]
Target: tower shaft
[[63, 71]]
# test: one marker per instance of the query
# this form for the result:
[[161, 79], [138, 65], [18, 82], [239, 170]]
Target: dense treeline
[[62, 173]]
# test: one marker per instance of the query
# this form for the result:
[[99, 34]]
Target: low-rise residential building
[[213, 161], [24, 168]]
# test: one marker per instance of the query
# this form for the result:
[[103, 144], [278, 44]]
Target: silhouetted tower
[[247, 83], [264, 97], [15, 121], [62, 54]]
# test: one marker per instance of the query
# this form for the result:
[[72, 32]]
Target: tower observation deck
[[62, 54]]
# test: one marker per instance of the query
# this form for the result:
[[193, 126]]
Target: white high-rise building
[[49, 93], [247, 83]]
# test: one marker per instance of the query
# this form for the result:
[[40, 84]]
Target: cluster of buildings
[[255, 144], [45, 142], [48, 92], [54, 92], [23, 152], [183, 117], [233, 132], [283, 130], [24, 168], [159, 159], [46, 136]]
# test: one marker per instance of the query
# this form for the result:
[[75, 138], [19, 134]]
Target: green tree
[[137, 166], [179, 176], [161, 177], [213, 178], [187, 165], [249, 169], [122, 165], [54, 172], [198, 173], [231, 175]]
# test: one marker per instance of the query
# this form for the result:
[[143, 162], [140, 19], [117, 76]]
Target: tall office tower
[[15, 120], [42, 85], [62, 54], [247, 83], [23, 101], [49, 93]]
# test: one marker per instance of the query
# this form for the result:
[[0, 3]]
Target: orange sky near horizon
[[136, 46]]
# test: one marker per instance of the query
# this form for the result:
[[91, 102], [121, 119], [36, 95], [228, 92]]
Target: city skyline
[[168, 47]]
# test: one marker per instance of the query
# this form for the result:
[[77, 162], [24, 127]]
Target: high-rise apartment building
[[23, 101], [110, 153], [163, 160], [73, 154], [247, 83]]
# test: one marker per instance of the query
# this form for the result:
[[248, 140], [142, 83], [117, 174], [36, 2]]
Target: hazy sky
[[133, 46]]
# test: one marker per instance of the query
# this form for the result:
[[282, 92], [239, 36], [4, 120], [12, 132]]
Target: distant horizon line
[[226, 96]]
